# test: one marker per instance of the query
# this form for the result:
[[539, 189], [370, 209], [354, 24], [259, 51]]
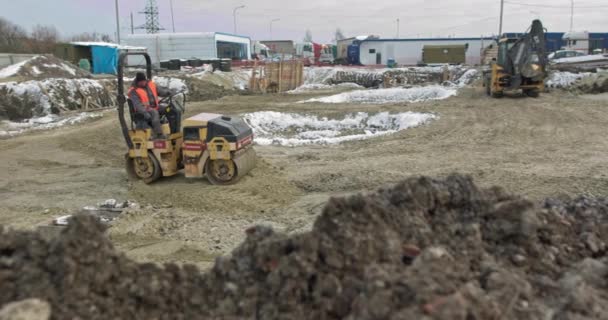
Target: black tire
[[216, 179], [149, 169], [498, 94], [533, 93], [488, 87]]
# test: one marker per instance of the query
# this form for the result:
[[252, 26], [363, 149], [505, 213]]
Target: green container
[[85, 64]]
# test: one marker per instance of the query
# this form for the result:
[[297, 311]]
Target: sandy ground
[[553, 146]]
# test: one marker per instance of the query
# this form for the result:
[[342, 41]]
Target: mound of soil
[[48, 66], [594, 84], [36, 98], [423, 249]]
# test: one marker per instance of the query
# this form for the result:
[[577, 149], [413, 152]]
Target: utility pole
[[172, 16], [572, 16], [397, 28], [132, 27], [502, 10], [117, 23], [271, 22], [234, 15]]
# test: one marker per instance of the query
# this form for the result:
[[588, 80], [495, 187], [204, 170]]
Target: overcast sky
[[418, 18]]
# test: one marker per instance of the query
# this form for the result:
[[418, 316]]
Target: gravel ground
[[554, 146]]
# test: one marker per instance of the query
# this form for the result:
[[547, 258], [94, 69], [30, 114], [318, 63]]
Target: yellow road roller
[[212, 145]]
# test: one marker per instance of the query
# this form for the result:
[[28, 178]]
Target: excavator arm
[[527, 59]]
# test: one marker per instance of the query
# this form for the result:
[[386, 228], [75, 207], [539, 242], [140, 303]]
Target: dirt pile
[[44, 67], [37, 98], [423, 249], [593, 84]]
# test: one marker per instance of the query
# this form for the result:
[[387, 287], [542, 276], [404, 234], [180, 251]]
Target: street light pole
[[234, 15], [271, 22], [572, 16], [117, 23], [172, 16], [502, 10], [397, 28]]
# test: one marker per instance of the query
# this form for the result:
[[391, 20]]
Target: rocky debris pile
[[44, 67], [105, 212], [564, 79], [385, 78], [593, 84], [37, 98], [423, 249]]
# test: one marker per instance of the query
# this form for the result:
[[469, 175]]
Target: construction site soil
[[423, 248], [435, 249]]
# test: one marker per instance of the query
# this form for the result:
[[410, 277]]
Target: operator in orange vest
[[144, 95]]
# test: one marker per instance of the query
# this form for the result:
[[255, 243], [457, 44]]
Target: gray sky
[[355, 17]]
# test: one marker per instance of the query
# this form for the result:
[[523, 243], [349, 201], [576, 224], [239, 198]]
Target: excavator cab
[[520, 64]]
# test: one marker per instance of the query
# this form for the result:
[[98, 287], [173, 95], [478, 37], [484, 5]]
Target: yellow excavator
[[212, 145], [521, 64]]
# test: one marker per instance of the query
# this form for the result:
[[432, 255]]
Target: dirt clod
[[425, 248]]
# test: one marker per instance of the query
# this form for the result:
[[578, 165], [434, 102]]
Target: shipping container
[[444, 54], [280, 47]]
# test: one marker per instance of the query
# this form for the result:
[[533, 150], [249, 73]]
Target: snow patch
[[394, 95], [564, 79], [319, 86], [174, 84], [11, 129], [589, 58], [292, 129], [13, 69], [467, 78]]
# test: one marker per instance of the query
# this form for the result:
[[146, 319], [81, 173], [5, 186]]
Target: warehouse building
[[199, 45], [410, 51]]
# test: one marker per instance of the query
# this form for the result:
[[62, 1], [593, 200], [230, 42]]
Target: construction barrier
[[277, 76]]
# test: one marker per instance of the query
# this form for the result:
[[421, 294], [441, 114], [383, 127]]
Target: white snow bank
[[292, 129], [319, 86], [240, 78], [10, 129], [467, 78], [589, 58], [13, 69], [564, 79], [395, 95], [174, 84], [46, 93], [325, 74]]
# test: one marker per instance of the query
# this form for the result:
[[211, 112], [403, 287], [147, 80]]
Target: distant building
[[409, 51], [199, 45], [585, 42]]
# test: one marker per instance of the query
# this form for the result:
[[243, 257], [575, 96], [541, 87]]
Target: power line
[[554, 6]]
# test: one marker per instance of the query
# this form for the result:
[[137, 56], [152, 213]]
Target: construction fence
[[277, 77]]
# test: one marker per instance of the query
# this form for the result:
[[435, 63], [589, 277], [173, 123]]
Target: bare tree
[[13, 38], [106, 38], [91, 37], [84, 37], [308, 36], [43, 39]]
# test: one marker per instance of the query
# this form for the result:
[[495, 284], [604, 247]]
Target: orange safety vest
[[143, 95]]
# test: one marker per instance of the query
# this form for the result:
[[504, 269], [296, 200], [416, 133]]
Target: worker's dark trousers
[[155, 122], [174, 116]]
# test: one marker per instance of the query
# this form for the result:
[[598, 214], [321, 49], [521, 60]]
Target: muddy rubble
[[423, 249]]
